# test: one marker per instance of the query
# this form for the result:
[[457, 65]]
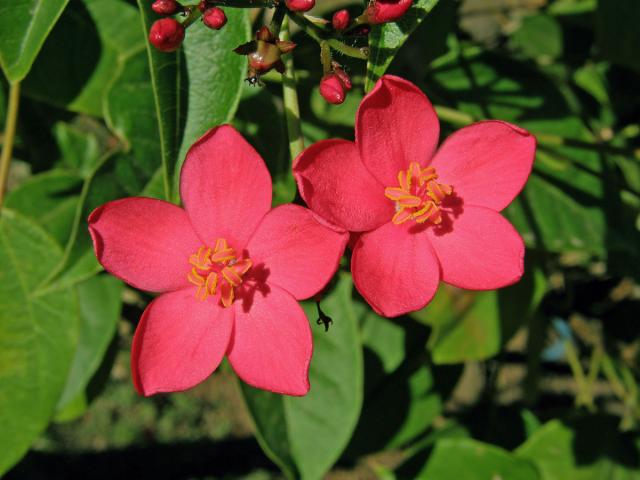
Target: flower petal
[[300, 253], [145, 242], [394, 270], [395, 125], [271, 345], [179, 342], [335, 184], [225, 187], [482, 251], [486, 163]]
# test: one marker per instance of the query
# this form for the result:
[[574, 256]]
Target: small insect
[[322, 317]]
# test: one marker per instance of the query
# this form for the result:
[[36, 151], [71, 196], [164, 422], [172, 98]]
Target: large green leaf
[[474, 325], [571, 202], [215, 75], [385, 40], [84, 54], [587, 448], [467, 459], [50, 198], [401, 384], [307, 434], [166, 74], [24, 26], [38, 334], [100, 305]]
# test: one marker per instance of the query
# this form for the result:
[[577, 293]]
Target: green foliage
[[24, 26], [536, 381], [38, 334], [306, 435]]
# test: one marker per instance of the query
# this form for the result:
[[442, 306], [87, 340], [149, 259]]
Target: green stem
[[277, 19], [194, 15], [325, 57], [290, 96], [576, 370], [319, 36], [9, 137]]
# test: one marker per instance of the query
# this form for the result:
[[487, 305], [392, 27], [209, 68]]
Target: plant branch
[[9, 137], [290, 96], [320, 35]]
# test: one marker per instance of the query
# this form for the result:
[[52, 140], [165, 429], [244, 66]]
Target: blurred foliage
[[535, 381]]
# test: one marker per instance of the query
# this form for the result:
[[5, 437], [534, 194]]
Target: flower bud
[[332, 89], [166, 34], [340, 20], [300, 5], [342, 75], [214, 18], [383, 11], [165, 7]]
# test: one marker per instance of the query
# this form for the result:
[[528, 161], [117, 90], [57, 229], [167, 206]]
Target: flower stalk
[[8, 138], [290, 97]]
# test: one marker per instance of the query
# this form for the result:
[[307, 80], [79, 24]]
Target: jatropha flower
[[420, 215], [230, 270]]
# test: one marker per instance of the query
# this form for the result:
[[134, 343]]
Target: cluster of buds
[[335, 84], [264, 54], [168, 33]]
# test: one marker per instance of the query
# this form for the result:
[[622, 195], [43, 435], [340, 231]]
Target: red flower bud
[[165, 7], [300, 5], [214, 18], [383, 11], [342, 75], [166, 34], [332, 89], [340, 20]]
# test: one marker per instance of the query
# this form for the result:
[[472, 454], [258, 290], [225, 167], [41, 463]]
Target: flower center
[[217, 267], [419, 195]]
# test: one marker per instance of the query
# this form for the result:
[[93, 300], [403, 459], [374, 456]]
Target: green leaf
[[50, 199], [563, 450], [24, 26], [571, 202], [467, 459], [266, 131], [100, 306], [166, 74], [307, 434], [79, 149], [215, 74], [38, 334], [400, 384], [385, 40], [539, 37], [617, 33], [84, 54], [474, 325]]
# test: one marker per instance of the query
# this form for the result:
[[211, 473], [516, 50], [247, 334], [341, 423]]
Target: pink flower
[[422, 216], [230, 269]]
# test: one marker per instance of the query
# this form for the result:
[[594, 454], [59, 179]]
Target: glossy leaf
[[100, 305], [586, 448], [84, 54], [24, 26], [215, 74], [471, 325], [166, 74], [467, 459], [307, 434], [38, 334], [385, 40]]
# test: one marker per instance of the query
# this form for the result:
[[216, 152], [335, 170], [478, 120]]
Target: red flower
[[382, 11], [230, 269], [422, 215]]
